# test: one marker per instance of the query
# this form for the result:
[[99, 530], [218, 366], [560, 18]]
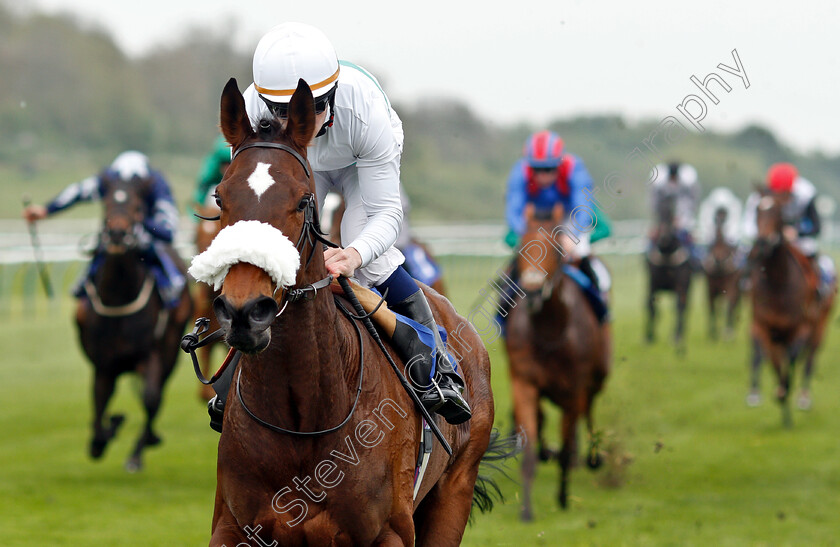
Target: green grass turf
[[687, 462]]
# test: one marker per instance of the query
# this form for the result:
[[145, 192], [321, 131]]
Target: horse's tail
[[500, 449]]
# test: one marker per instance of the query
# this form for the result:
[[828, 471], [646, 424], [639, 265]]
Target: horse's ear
[[557, 213], [529, 213], [233, 117], [301, 122]]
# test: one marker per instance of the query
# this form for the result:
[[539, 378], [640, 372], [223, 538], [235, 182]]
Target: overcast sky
[[536, 60]]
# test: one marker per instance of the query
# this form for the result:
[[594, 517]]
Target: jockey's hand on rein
[[341, 261]]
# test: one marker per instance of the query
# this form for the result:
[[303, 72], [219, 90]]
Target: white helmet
[[291, 51], [131, 164]]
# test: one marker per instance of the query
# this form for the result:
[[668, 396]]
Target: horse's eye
[[303, 203], [218, 200]]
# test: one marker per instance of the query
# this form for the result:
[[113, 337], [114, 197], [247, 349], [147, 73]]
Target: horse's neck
[[778, 269], [555, 309], [121, 276]]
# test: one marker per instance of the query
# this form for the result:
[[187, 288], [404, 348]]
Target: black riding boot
[[444, 393], [586, 267]]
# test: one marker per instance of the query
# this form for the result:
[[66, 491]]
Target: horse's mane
[[269, 128]]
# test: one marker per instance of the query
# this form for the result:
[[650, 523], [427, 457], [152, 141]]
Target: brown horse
[[319, 441], [206, 231], [789, 317], [123, 325], [557, 349], [669, 269], [723, 276]]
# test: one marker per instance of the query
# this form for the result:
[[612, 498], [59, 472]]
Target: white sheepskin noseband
[[249, 241]]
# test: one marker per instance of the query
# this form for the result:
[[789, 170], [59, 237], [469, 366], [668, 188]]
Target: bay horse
[[313, 396], [669, 269], [557, 350], [722, 276], [122, 322], [789, 317], [206, 231]]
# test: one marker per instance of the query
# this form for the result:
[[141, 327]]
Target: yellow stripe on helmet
[[287, 92]]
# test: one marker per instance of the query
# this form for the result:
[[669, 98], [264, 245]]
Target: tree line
[[69, 89]]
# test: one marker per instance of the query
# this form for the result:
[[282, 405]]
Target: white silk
[[249, 241]]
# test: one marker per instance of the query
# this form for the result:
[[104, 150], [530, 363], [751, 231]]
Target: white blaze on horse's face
[[120, 196], [260, 180], [766, 203]]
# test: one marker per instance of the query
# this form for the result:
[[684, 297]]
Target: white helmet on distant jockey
[[291, 51], [131, 164]]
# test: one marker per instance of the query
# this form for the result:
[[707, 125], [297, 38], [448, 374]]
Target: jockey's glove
[[143, 237]]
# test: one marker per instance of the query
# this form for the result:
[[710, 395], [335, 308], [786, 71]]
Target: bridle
[[310, 233]]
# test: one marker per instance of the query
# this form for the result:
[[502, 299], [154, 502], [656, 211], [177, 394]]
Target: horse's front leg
[[568, 452], [152, 386], [754, 396], [712, 296], [682, 302], [103, 389], [226, 531], [651, 311], [525, 410]]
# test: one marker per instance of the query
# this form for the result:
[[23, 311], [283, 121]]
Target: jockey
[[721, 210], [356, 151], [212, 171], [678, 181], [155, 235], [720, 199], [799, 214], [546, 176]]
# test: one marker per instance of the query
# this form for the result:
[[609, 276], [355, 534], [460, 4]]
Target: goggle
[[281, 110], [544, 169]]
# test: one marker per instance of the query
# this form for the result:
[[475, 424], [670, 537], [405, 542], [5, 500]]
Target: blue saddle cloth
[[420, 265], [593, 295]]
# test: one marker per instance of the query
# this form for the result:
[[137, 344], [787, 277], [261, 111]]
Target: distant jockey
[[720, 199], [212, 170], [722, 207], [799, 214], [154, 235], [546, 176], [678, 182]]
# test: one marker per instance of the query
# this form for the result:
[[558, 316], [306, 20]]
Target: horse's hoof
[[152, 439], [116, 421], [97, 448], [594, 461], [803, 402], [546, 454], [561, 499], [526, 515], [133, 464], [753, 399]]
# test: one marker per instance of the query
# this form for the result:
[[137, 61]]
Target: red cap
[[780, 177]]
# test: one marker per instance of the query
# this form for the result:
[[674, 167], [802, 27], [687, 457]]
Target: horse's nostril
[[263, 310], [222, 310]]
